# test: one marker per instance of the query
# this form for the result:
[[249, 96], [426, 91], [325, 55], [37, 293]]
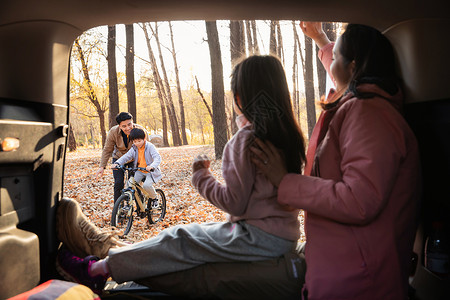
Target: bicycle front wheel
[[122, 214], [157, 207]]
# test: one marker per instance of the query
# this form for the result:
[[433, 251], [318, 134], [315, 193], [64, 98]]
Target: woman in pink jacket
[[259, 228], [361, 198]]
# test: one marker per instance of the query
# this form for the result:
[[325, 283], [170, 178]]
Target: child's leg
[[81, 270], [139, 176], [99, 268], [148, 186], [148, 183], [184, 247]]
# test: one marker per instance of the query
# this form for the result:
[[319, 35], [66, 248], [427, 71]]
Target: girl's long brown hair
[[260, 82]]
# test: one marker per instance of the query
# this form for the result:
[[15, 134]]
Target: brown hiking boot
[[79, 234]]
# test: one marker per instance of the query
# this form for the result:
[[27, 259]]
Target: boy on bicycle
[[144, 155]]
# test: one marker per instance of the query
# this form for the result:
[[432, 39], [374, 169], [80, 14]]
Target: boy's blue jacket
[[152, 158]]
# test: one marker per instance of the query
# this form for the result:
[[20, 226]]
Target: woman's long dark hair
[[260, 83], [373, 55]]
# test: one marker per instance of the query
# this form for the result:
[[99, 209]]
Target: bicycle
[[134, 199]]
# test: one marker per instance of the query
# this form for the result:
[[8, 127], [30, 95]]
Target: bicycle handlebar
[[132, 169]]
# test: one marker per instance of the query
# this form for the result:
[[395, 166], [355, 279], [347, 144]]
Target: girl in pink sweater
[[259, 228]]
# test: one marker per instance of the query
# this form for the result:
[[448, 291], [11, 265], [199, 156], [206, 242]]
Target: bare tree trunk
[[92, 136], [302, 59], [203, 98], [273, 38], [201, 127], [129, 70], [321, 75], [280, 49], [170, 107], [309, 85], [180, 96], [295, 76], [248, 30], [237, 41], [321, 72], [112, 77], [237, 50], [255, 39], [156, 79], [330, 30], [72, 143], [91, 92], [218, 95]]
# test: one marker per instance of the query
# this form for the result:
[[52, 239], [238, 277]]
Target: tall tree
[[112, 76], [129, 70], [309, 85], [72, 142], [273, 38], [237, 50], [237, 41], [280, 49], [157, 81], [248, 31], [330, 30], [180, 96], [170, 107], [321, 73], [295, 97], [218, 94], [91, 94], [203, 98], [302, 60], [255, 39]]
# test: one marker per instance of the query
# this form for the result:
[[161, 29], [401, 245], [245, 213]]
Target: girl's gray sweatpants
[[186, 246]]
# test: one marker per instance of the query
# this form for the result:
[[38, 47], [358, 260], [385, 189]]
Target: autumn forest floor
[[184, 204]]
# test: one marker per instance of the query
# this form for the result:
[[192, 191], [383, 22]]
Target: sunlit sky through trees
[[193, 52], [193, 58]]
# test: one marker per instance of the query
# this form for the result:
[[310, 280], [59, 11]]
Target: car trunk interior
[[36, 39]]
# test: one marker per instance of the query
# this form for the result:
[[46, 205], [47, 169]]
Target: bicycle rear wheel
[[157, 208], [122, 214]]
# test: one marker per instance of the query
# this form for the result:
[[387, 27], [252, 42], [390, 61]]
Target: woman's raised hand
[[269, 161], [315, 31]]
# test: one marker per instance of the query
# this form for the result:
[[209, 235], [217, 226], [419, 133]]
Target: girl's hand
[[114, 166], [201, 162], [148, 168], [269, 161], [315, 31]]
